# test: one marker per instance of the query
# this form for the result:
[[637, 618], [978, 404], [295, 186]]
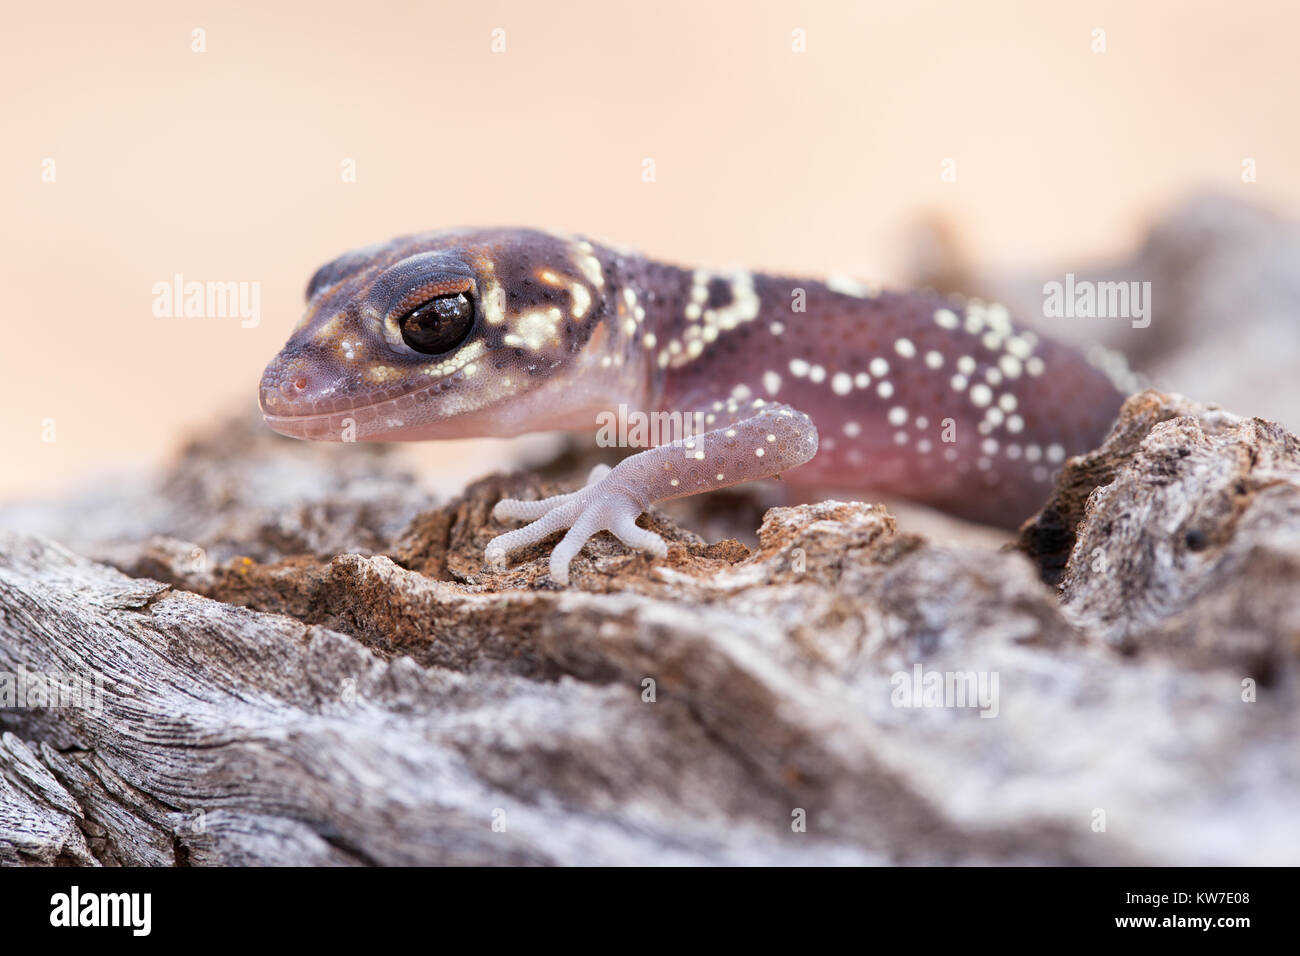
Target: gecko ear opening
[[438, 325]]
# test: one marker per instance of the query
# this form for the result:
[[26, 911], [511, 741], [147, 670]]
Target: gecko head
[[443, 335]]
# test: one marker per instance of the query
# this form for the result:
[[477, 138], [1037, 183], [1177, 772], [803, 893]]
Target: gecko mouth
[[411, 415], [391, 419], [326, 417]]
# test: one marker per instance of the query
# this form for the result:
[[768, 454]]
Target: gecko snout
[[298, 384]]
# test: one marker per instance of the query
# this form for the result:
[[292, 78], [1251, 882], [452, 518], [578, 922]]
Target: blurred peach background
[[226, 165]]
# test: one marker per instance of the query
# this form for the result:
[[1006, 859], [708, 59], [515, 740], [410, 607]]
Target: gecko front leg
[[751, 441]]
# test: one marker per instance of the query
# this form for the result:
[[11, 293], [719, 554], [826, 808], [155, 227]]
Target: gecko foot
[[602, 505]]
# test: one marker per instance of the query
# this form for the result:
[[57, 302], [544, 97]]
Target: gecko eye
[[438, 325]]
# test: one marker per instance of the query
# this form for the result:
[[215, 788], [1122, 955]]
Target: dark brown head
[[447, 334]]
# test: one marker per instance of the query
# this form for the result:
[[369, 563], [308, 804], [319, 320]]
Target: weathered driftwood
[[402, 704]]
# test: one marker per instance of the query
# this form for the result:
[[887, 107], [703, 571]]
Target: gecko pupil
[[438, 325]]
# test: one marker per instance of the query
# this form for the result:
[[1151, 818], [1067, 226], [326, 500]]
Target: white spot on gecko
[[581, 299], [846, 285], [535, 329], [585, 260]]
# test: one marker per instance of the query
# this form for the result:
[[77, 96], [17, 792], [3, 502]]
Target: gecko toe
[[516, 509], [638, 538], [587, 524]]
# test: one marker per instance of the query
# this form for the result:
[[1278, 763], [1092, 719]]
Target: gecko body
[[830, 383]]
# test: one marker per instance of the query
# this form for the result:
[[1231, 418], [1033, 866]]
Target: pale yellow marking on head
[[581, 299], [535, 329], [494, 303], [455, 363], [329, 329], [584, 258]]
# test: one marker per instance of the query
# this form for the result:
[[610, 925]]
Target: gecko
[[827, 383]]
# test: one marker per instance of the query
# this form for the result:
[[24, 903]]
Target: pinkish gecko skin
[[831, 384]]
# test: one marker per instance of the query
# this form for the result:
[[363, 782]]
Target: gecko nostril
[[300, 382]]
